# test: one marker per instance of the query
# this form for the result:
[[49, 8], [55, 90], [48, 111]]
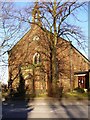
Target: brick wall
[[69, 59]]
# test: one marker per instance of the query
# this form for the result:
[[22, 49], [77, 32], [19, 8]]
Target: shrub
[[80, 90], [4, 88], [88, 90]]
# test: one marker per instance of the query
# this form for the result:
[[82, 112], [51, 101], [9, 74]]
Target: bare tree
[[10, 26], [56, 24]]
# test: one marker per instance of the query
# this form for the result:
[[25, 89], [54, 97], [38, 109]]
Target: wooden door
[[81, 81]]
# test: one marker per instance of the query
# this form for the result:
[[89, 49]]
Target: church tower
[[36, 14]]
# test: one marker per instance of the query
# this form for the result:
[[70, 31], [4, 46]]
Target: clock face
[[35, 38]]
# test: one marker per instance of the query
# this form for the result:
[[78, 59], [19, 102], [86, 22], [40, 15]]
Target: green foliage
[[57, 91], [5, 94], [88, 90], [79, 90], [4, 88], [75, 95], [21, 88]]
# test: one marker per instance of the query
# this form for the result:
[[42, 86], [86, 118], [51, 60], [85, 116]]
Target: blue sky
[[83, 16], [89, 30], [83, 23]]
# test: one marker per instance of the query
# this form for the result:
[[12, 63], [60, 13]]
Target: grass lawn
[[67, 95], [76, 95]]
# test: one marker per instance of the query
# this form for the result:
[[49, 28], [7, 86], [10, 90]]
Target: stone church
[[30, 59]]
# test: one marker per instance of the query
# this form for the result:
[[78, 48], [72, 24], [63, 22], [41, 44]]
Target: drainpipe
[[71, 65], [89, 78]]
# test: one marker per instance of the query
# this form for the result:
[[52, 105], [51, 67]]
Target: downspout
[[71, 66]]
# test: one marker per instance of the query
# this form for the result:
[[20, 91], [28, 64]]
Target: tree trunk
[[50, 92], [54, 60], [50, 77]]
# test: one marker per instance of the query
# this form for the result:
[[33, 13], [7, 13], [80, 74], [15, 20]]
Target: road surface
[[45, 108]]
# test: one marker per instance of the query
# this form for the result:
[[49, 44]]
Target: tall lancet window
[[36, 58]]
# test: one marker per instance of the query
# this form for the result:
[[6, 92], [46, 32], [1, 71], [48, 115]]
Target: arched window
[[36, 58]]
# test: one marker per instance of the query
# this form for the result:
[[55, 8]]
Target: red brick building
[[30, 57]]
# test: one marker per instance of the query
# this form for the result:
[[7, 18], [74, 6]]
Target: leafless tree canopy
[[14, 19], [53, 16]]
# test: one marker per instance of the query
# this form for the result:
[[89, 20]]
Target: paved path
[[45, 108]]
